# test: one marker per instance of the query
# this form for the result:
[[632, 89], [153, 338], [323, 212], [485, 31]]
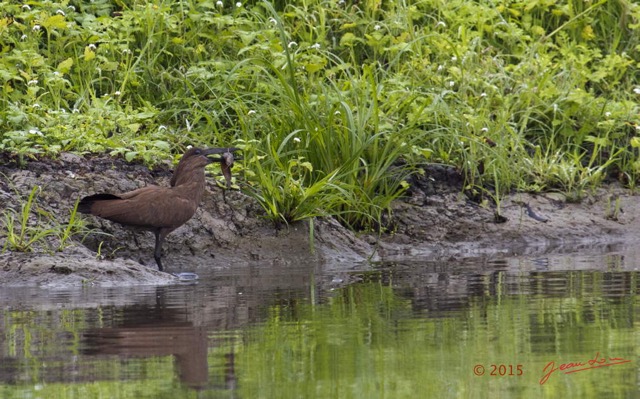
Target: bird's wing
[[150, 207], [141, 192]]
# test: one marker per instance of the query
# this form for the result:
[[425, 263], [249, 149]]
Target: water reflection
[[385, 330], [156, 337]]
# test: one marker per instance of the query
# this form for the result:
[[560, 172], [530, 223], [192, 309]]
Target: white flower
[[291, 44], [452, 83], [483, 95], [23, 37], [238, 4], [296, 139], [337, 113], [36, 105], [377, 27], [484, 129], [126, 51], [72, 8], [607, 114], [56, 73], [35, 131], [316, 46], [251, 112], [75, 111], [636, 90], [219, 4], [92, 47], [441, 23], [273, 21], [32, 82], [35, 28], [117, 93], [60, 12], [440, 68], [454, 58], [162, 127], [26, 7], [638, 128]]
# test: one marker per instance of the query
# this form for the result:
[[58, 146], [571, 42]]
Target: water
[[457, 329]]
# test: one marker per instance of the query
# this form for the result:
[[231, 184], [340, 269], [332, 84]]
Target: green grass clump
[[335, 103], [34, 229]]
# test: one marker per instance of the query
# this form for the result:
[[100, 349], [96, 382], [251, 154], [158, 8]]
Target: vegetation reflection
[[393, 335]]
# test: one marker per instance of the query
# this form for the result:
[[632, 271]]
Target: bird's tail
[[86, 204]]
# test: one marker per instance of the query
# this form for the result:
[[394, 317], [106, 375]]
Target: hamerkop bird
[[161, 209]]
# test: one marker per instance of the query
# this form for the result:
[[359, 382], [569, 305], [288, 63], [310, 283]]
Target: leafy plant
[[517, 96]]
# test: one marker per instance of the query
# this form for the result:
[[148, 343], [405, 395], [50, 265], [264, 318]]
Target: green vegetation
[[35, 229], [335, 103]]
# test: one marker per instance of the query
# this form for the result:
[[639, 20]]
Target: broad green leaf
[[89, 54], [55, 22], [348, 39], [134, 127], [163, 145], [65, 66], [109, 66], [145, 115]]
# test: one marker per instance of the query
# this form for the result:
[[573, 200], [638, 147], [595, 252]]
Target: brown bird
[[160, 209]]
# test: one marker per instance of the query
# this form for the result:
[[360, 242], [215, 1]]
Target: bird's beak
[[213, 151]]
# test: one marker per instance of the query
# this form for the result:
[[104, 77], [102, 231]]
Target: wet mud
[[435, 220]]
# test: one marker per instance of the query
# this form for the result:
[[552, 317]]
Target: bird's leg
[[157, 253]]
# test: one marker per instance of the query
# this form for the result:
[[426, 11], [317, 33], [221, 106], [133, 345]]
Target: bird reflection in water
[[188, 344]]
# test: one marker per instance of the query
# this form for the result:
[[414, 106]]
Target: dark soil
[[434, 221]]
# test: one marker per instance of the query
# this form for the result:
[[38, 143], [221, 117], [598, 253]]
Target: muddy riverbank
[[435, 220]]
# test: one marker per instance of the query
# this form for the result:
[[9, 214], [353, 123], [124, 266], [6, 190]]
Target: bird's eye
[[197, 152]]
